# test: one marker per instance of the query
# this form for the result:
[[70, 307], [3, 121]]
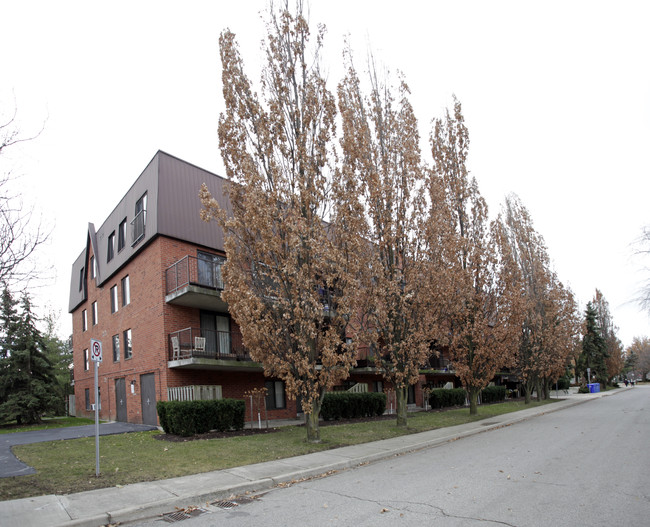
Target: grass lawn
[[69, 466], [48, 422]]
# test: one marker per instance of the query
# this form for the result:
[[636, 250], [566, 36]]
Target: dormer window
[[110, 250], [139, 222], [121, 236]]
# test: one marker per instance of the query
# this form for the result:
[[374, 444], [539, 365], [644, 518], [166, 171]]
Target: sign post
[[96, 357]]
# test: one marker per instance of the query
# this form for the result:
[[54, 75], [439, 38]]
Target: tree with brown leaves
[[484, 323], [291, 264], [550, 325], [402, 285], [637, 358]]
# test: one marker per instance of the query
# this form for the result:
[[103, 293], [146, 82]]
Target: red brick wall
[[143, 315], [151, 320]]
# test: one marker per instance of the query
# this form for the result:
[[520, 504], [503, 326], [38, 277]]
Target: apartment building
[[148, 284]]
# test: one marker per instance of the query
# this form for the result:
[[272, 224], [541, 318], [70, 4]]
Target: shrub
[[583, 389], [186, 418], [563, 383], [161, 408], [347, 405], [493, 394], [442, 397]]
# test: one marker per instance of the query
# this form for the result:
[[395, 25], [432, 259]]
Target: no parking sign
[[96, 357], [96, 350]]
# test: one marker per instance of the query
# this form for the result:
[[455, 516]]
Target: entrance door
[[148, 398], [120, 400], [216, 330]]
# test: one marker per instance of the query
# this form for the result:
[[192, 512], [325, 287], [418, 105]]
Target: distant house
[[148, 286]]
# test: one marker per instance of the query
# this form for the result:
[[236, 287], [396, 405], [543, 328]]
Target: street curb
[[170, 504]]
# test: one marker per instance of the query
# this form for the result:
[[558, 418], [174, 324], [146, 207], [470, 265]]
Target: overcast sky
[[556, 96]]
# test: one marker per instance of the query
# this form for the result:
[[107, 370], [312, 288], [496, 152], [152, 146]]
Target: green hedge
[[493, 394], [186, 418], [346, 405], [442, 397]]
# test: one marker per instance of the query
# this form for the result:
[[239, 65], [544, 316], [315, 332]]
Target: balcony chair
[[176, 349], [199, 344]]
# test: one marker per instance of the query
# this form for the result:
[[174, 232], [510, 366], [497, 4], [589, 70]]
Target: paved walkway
[[147, 500], [11, 466]]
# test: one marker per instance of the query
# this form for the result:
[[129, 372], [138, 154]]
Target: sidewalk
[[147, 500]]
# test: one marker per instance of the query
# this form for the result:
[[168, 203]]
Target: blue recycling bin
[[594, 387]]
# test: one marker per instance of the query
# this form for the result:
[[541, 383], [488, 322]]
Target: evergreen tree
[[8, 322], [27, 384], [594, 348], [59, 352]]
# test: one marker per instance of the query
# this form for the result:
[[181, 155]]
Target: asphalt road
[[11, 466], [585, 465]]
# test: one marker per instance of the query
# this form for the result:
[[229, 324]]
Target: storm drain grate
[[225, 504], [236, 502], [181, 515]]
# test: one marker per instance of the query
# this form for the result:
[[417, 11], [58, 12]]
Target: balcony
[[366, 357], [195, 282], [197, 348], [441, 364]]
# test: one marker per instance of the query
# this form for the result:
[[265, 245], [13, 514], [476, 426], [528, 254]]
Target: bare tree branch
[[20, 234]]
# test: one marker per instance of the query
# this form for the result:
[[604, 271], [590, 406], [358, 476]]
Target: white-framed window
[[86, 360], [275, 399], [126, 291], [93, 267], [114, 299], [95, 314], [138, 223], [128, 345], [121, 235], [84, 320], [110, 249], [116, 348]]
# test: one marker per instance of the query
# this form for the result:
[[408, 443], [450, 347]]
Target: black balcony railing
[[206, 343], [440, 363], [191, 270]]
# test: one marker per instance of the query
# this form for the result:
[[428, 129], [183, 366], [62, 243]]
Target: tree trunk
[[401, 395], [538, 389], [311, 420], [528, 392], [473, 400], [547, 389]]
